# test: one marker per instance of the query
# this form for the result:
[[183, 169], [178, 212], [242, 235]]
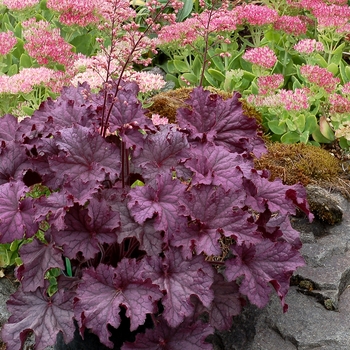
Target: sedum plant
[[166, 223]]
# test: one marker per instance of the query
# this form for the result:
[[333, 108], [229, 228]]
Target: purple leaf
[[103, 291], [212, 212], [261, 264], [212, 119], [45, 316], [80, 190], [86, 229], [214, 165], [13, 162], [160, 197], [53, 208], [89, 157], [162, 152], [16, 214], [127, 115], [37, 259], [226, 304], [274, 195], [150, 240], [186, 336], [180, 279], [8, 127]]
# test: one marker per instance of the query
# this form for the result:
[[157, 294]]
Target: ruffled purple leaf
[[210, 118], [13, 162], [45, 316], [186, 336], [86, 229], [214, 165], [81, 191], [88, 156], [274, 195], [162, 152], [103, 292], [127, 115], [261, 264], [16, 214], [227, 303], [8, 127], [212, 212], [53, 208], [180, 279], [37, 259], [160, 198]]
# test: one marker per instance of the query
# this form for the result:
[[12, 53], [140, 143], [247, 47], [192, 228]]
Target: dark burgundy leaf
[[45, 316], [214, 165], [274, 195], [261, 264], [37, 259], [210, 118], [80, 190], [226, 304], [160, 197], [103, 292], [180, 279], [13, 162], [16, 214], [89, 157], [187, 336], [87, 229], [213, 214], [8, 127], [162, 152], [127, 115], [53, 208]]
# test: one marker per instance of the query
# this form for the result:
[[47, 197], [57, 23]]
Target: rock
[[324, 204], [318, 316]]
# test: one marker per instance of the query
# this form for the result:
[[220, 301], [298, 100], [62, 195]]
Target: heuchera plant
[[168, 222]]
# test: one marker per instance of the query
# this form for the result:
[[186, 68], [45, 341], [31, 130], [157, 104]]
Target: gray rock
[[319, 301]]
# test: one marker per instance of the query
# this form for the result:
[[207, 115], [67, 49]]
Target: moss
[[166, 103], [299, 162]]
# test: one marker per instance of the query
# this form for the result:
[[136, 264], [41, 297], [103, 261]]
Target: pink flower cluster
[[270, 83], [84, 12], [45, 44], [289, 100], [331, 16], [26, 80], [339, 104], [293, 25], [256, 15], [147, 82], [19, 4], [346, 89], [308, 46], [320, 76], [158, 120], [192, 28], [7, 42], [261, 56]]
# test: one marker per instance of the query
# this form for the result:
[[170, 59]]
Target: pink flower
[[158, 120], [147, 82], [269, 83], [26, 80], [293, 25], [45, 44], [287, 99], [19, 4], [331, 16], [257, 15], [308, 46], [346, 89], [339, 104], [261, 56], [320, 76], [7, 42]]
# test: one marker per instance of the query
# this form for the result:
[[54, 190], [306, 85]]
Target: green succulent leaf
[[290, 137], [277, 127]]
